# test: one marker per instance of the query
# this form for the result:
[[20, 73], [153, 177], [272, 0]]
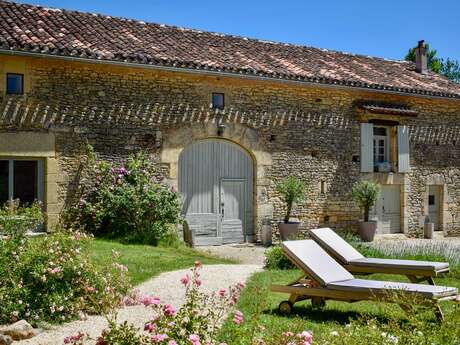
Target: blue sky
[[385, 28]]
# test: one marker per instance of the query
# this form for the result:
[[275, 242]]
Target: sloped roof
[[28, 28]]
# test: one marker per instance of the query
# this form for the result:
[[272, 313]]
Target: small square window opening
[[431, 200], [218, 100], [14, 84]]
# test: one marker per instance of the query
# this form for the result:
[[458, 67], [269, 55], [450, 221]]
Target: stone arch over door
[[176, 140], [215, 179]]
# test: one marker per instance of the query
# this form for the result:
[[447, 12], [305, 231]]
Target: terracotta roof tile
[[43, 30]]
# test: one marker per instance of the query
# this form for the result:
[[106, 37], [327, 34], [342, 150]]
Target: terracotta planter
[[428, 230], [367, 230], [288, 230]]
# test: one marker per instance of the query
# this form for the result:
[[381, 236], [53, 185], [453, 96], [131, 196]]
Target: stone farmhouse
[[224, 118]]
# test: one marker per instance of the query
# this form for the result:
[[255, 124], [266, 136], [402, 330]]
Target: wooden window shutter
[[367, 147], [403, 149]]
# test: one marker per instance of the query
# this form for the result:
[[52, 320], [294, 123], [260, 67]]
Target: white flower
[[335, 333]]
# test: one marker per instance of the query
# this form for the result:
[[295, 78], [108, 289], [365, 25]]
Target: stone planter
[[288, 230], [428, 230], [367, 230]]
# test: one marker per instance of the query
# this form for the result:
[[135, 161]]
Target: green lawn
[[145, 261], [260, 306]]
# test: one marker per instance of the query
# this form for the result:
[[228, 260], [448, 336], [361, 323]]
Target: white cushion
[[311, 258], [335, 245], [404, 264], [380, 287]]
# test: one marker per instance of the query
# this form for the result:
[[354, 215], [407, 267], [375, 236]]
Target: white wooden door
[[216, 183], [433, 205], [233, 210], [387, 211]]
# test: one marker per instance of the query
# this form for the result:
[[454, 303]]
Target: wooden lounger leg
[[438, 312], [415, 280]]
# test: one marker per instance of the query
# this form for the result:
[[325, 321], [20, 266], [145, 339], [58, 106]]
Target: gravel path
[[167, 286], [243, 253]]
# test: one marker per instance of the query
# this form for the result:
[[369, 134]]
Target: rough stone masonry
[[290, 129]]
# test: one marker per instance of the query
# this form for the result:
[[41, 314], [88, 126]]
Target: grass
[[144, 261], [260, 306]]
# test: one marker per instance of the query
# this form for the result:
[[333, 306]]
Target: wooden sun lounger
[[355, 262], [323, 278]]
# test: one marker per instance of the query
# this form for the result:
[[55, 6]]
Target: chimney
[[421, 63]]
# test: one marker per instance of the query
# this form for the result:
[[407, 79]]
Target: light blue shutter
[[403, 149], [367, 147]]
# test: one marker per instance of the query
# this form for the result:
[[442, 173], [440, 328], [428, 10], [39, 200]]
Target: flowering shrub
[[126, 202], [51, 279], [196, 322]]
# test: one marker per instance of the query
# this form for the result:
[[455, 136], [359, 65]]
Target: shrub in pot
[[291, 190], [365, 194]]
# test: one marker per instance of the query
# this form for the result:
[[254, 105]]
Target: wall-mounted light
[[220, 125]]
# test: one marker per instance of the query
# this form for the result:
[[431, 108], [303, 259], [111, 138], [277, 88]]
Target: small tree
[[365, 194], [292, 190]]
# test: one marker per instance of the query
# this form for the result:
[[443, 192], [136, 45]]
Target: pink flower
[[222, 292], [169, 310], [306, 336], [197, 282], [241, 285], [185, 280], [238, 318], [149, 327], [150, 300], [158, 338], [195, 339], [172, 342]]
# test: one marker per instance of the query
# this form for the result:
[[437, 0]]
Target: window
[[381, 148], [14, 84], [21, 179], [384, 148], [431, 200], [218, 100]]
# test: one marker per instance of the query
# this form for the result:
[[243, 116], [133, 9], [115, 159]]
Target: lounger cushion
[[403, 264], [312, 259], [335, 245], [377, 286]]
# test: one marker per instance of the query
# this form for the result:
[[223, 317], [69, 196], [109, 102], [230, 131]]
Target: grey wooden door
[[233, 209], [216, 183]]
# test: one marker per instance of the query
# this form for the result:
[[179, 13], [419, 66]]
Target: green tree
[[451, 69]]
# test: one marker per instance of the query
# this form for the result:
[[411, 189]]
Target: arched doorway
[[216, 183]]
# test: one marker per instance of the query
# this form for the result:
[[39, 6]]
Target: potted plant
[[365, 194], [291, 190]]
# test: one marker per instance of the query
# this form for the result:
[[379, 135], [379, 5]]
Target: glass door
[[21, 179]]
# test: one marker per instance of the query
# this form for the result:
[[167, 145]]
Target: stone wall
[[290, 129]]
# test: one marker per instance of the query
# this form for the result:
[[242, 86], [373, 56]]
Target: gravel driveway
[[167, 286]]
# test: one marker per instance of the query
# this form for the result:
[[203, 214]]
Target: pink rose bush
[[196, 322]]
